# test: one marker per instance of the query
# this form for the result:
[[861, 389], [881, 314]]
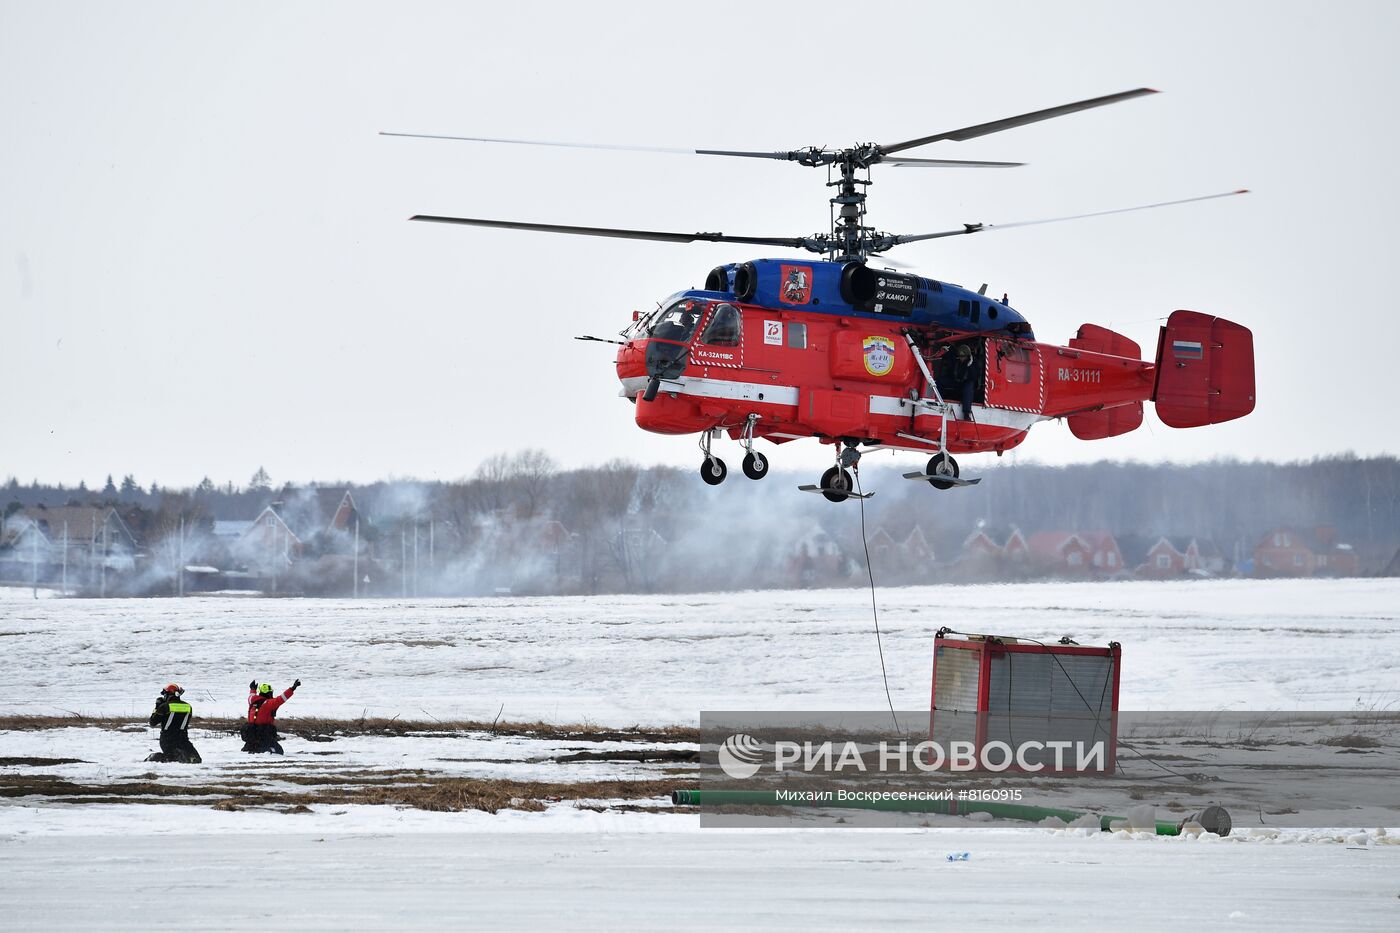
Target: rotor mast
[[849, 235]]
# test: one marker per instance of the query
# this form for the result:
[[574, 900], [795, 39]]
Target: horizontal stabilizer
[[1098, 339], [1107, 422], [1205, 370]]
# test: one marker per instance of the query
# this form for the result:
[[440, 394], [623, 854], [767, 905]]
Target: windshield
[[677, 322]]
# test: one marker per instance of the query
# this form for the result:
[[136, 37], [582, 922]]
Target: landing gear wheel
[[836, 484], [941, 465], [653, 386], [713, 471], [755, 465]]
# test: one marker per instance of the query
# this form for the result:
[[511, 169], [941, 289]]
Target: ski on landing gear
[[942, 483], [942, 473], [837, 484], [836, 493]]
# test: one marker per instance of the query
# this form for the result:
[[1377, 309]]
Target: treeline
[[523, 523], [1222, 499]]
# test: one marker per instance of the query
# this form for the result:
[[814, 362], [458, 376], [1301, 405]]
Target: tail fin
[[1106, 422], [1205, 370]]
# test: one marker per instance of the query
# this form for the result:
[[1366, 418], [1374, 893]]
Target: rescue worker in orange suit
[[260, 732], [173, 715]]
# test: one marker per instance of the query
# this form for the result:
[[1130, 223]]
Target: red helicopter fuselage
[[860, 357], [915, 382]]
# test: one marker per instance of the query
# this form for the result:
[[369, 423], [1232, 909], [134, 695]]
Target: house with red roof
[[1291, 552], [1063, 553], [1106, 557], [1170, 557]]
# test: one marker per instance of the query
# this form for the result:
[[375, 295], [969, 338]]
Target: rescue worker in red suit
[[260, 732]]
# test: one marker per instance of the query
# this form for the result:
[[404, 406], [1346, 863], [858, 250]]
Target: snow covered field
[[1231, 644], [837, 880], [658, 661]]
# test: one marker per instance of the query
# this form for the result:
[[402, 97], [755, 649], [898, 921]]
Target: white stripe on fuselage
[[981, 414], [717, 388], [787, 395]]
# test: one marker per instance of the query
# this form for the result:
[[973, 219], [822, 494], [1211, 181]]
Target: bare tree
[[530, 474]]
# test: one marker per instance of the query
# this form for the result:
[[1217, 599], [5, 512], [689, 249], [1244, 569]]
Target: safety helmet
[[265, 690], [174, 690], [964, 350]]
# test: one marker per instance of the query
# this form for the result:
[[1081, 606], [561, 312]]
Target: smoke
[[522, 526]]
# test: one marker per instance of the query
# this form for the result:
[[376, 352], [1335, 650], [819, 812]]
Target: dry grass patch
[[46, 785], [414, 790], [1354, 740], [455, 794]]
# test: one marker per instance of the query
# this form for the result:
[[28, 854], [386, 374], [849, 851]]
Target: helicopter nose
[[631, 360], [664, 359]]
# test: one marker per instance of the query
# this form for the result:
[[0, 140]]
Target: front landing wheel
[[755, 465], [713, 471]]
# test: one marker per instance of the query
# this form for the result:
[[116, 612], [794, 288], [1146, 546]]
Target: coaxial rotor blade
[[786, 156], [540, 142], [792, 242], [996, 126], [948, 163], [982, 228]]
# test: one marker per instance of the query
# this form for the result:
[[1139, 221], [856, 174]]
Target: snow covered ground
[[625, 880], [625, 660], [1241, 644]]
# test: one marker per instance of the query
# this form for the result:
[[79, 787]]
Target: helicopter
[[866, 358]]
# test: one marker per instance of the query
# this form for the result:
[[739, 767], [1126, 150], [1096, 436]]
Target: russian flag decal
[[1187, 349]]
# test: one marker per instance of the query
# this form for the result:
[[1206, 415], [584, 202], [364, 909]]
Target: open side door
[[1015, 375], [1205, 370]]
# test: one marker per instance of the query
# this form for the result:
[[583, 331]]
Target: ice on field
[[1139, 819]]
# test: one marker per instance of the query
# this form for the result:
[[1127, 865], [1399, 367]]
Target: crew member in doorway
[[260, 731], [965, 375], [959, 380], [173, 715]]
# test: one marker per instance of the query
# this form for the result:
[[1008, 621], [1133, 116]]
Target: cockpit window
[[724, 327], [678, 322]]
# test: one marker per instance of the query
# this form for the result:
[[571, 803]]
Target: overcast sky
[[205, 265]]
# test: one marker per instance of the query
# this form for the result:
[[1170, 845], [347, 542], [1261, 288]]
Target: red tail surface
[[1106, 422], [1205, 370]]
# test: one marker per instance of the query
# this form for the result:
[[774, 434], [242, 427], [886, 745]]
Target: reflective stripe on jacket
[[172, 715]]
